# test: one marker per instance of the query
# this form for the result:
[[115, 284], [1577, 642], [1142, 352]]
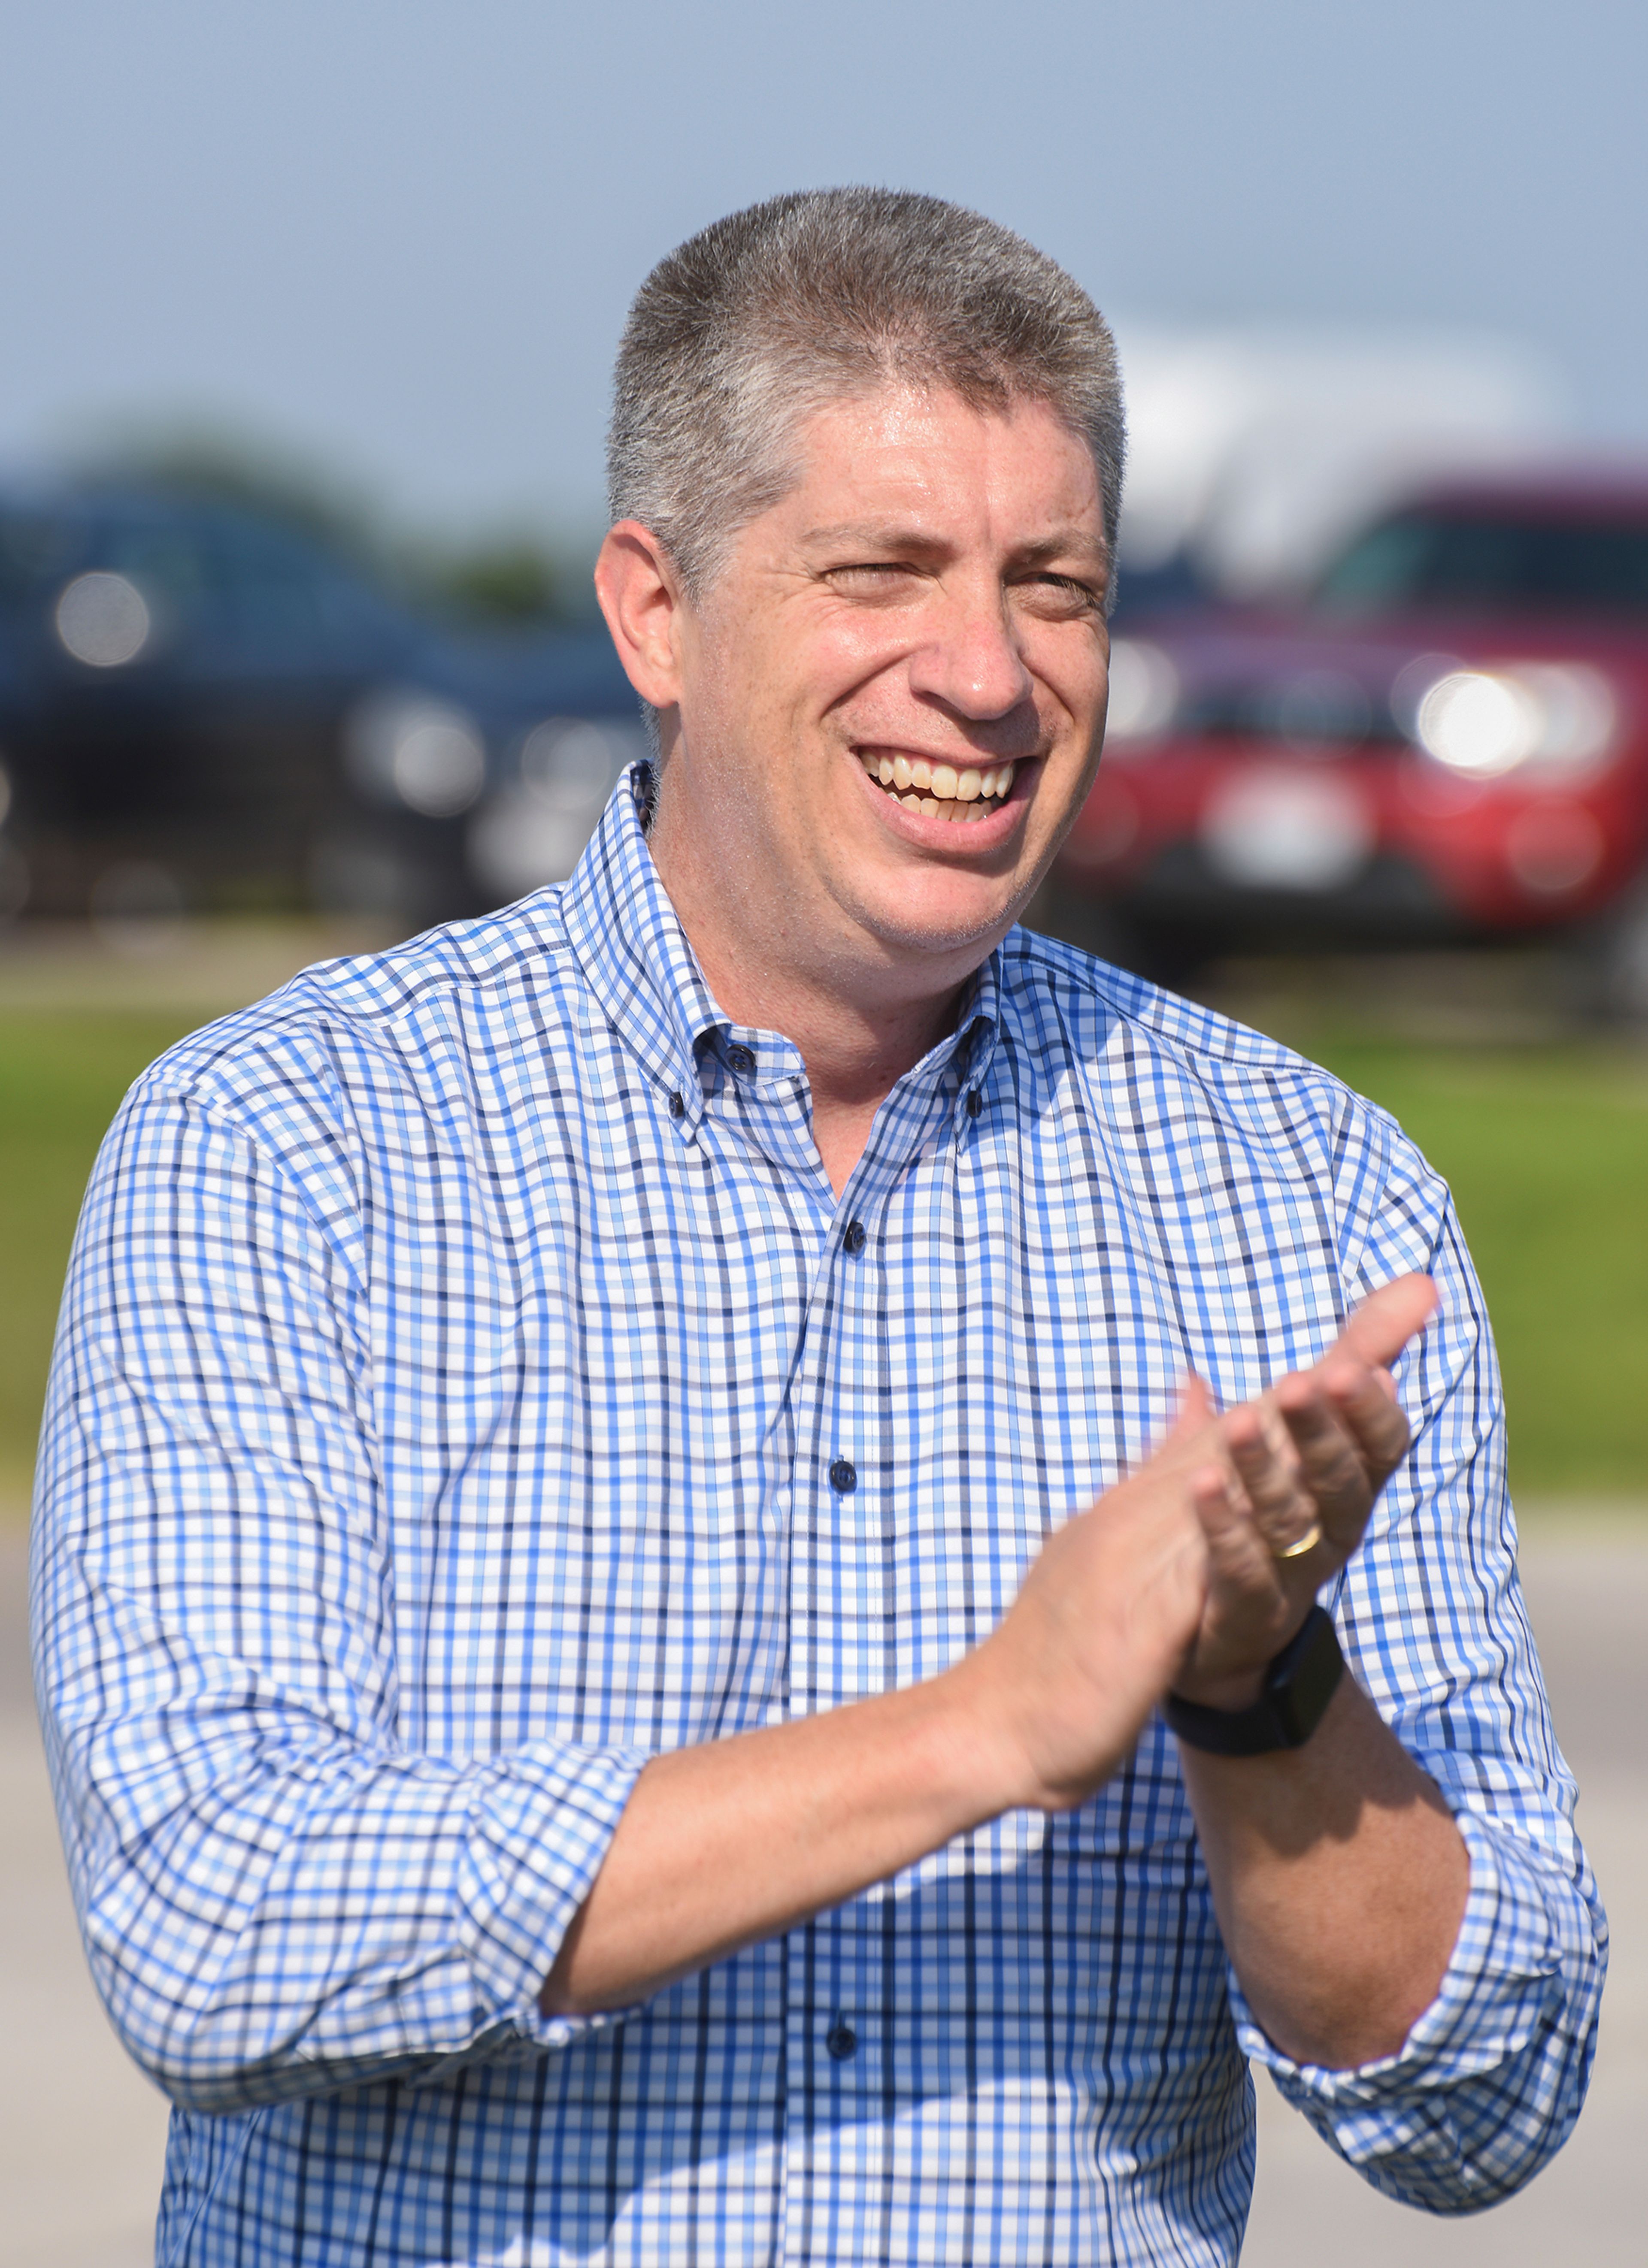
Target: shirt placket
[[843, 1648]]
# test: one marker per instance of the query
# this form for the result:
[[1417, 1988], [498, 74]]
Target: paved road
[[82, 2134], [1589, 1602]]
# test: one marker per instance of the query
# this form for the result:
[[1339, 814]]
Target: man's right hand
[[1062, 1689]]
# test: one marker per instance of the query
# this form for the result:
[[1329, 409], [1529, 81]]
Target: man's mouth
[[941, 791]]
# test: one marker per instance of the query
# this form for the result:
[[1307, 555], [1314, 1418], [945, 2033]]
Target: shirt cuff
[[1503, 1983], [539, 1829]]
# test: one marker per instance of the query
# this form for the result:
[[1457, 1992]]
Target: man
[[590, 1719]]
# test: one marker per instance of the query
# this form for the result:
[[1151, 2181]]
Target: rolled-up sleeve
[[1491, 2078], [279, 1894]]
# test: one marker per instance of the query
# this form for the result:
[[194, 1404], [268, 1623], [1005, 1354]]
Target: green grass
[[61, 1078], [1547, 1149]]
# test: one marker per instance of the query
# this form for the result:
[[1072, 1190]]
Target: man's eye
[[1062, 594], [871, 574]]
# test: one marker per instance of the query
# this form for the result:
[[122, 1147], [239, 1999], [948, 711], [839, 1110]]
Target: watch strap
[[1298, 1685]]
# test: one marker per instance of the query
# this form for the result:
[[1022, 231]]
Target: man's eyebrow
[[1071, 545], [887, 534], [896, 536]]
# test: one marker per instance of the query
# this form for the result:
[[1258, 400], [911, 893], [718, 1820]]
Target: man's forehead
[[901, 462]]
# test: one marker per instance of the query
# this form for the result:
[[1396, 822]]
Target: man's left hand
[[1302, 1466]]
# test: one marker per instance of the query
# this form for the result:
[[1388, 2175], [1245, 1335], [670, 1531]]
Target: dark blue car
[[205, 708]]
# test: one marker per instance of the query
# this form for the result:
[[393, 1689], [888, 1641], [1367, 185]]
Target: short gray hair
[[826, 295]]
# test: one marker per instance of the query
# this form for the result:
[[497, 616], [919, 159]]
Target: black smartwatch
[[1298, 1685]]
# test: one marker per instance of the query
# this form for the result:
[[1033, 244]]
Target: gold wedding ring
[[1300, 1544]]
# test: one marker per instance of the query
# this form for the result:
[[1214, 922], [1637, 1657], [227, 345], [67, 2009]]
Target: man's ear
[[641, 598]]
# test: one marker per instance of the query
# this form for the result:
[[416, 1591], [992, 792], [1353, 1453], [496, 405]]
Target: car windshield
[[1491, 562]]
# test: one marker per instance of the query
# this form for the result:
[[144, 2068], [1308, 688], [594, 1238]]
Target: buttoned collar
[[643, 973]]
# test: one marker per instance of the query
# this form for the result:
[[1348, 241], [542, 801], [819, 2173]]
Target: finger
[[1239, 1563], [1363, 1399], [1385, 1321], [1191, 1431], [1336, 1470], [1366, 1402], [1195, 1408], [1269, 1466]]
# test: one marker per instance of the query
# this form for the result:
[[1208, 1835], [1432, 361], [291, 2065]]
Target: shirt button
[[975, 1103], [741, 1060], [854, 1239], [843, 1477], [677, 1108], [842, 2042]]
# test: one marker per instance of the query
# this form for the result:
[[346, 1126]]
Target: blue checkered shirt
[[470, 1386]]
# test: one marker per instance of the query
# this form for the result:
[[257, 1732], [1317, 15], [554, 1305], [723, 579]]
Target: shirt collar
[[636, 958], [633, 951]]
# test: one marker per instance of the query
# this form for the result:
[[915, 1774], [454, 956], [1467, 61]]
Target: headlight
[[1143, 691], [535, 832], [410, 748], [1486, 722], [102, 619], [570, 764]]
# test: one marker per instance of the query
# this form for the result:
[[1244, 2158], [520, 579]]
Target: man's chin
[[933, 918]]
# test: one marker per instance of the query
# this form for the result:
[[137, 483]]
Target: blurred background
[[306, 323]]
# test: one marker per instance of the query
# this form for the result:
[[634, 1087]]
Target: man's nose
[[972, 663]]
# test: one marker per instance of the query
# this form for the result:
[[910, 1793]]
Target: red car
[[1449, 741]]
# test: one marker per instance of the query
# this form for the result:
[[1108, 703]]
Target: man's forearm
[[1339, 1879], [726, 1843]]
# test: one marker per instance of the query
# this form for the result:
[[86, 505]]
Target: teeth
[[938, 790]]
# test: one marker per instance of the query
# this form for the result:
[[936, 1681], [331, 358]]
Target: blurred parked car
[[201, 707], [1449, 741], [551, 781]]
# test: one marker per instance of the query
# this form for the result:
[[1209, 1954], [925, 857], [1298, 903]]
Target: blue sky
[[401, 235]]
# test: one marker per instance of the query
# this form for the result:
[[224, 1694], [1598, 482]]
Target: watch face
[[1302, 1692], [1298, 1686]]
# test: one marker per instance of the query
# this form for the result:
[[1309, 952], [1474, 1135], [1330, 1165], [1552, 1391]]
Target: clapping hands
[[1193, 1573]]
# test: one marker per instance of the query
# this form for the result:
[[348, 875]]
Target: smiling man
[[652, 1646]]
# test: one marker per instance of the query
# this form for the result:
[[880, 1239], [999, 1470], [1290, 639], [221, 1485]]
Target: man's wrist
[[1238, 1689], [1298, 1685], [983, 1743]]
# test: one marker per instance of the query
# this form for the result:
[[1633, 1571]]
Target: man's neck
[[858, 1029], [854, 1058]]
